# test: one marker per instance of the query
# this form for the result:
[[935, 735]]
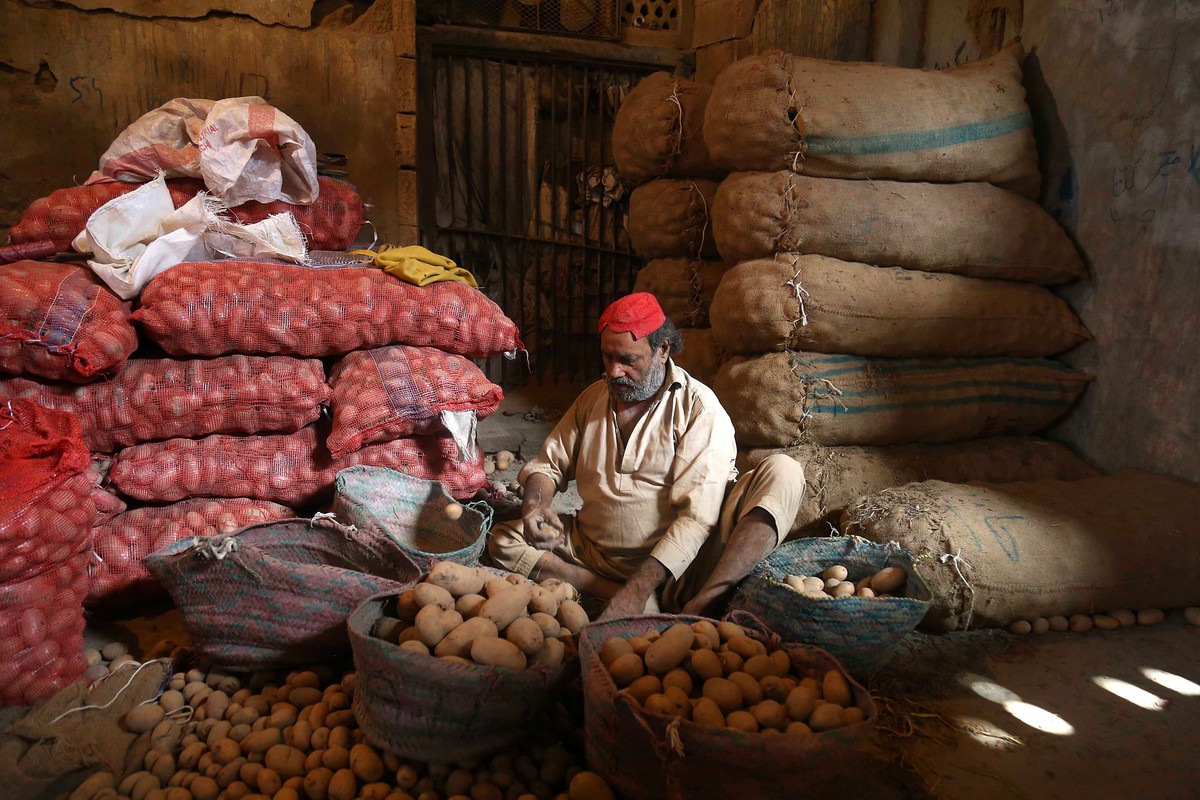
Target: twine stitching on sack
[[786, 240], [328, 518], [697, 245], [677, 146], [697, 298], [954, 559], [217, 547], [120, 691]]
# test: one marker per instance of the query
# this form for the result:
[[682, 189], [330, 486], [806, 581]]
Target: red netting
[[389, 392], [41, 632], [116, 575], [209, 308], [294, 469], [330, 223], [46, 489], [61, 322], [161, 398]]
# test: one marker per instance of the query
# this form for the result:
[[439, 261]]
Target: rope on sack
[[217, 547], [115, 697], [329, 518], [954, 559]]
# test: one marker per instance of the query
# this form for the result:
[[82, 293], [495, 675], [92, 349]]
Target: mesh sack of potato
[[330, 223], [210, 308], [388, 392], [163, 398], [294, 469], [59, 321], [674, 708], [116, 575], [860, 631], [415, 514], [460, 664], [278, 593]]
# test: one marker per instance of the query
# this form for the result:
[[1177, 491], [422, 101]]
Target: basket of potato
[[679, 706], [855, 598], [458, 664]]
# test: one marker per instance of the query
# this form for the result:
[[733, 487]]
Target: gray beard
[[628, 391]]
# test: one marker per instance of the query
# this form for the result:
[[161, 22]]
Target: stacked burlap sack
[[658, 143], [888, 308], [228, 430]]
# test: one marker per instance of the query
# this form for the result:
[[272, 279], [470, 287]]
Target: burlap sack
[[855, 120], [835, 477], [782, 399], [823, 305], [670, 218], [973, 229], [684, 287], [992, 553], [659, 131], [700, 356]]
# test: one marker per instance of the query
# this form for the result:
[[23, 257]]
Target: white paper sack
[[140, 234]]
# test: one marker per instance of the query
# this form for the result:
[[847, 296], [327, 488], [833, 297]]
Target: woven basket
[[863, 633], [420, 707], [412, 513], [276, 594], [648, 756]]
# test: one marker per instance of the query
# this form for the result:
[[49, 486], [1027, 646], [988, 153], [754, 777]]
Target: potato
[[706, 712], [428, 594], [640, 644], [746, 647], [1059, 623], [757, 667], [836, 572], [143, 718], [854, 715], [1192, 615], [262, 741], [550, 655], [1150, 616], [416, 646], [776, 688], [406, 605], [728, 630], [801, 702], [706, 664], [1039, 625], [571, 616], [626, 669], [204, 788], [770, 714], [469, 604], [678, 703], [708, 630], [495, 586], [542, 600], [288, 762], [458, 641], [493, 652], [643, 687], [795, 581], [561, 590], [889, 580], [613, 649], [827, 716], [670, 649], [1105, 622], [1124, 616], [365, 763], [433, 623], [724, 693], [657, 704], [549, 625], [504, 607], [316, 783], [679, 678], [835, 689], [343, 785], [1020, 627], [525, 634], [589, 786], [864, 592], [457, 579], [730, 662], [843, 589], [742, 721]]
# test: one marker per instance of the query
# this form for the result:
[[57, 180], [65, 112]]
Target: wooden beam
[[482, 41]]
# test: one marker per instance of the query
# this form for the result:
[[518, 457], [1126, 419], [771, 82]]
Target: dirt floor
[[965, 716]]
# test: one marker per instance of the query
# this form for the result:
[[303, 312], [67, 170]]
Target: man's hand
[[541, 527], [631, 600]]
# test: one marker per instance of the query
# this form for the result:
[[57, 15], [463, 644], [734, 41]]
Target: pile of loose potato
[[717, 675], [833, 583], [469, 615], [299, 740], [1080, 623]]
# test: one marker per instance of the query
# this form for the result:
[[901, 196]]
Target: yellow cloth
[[417, 265]]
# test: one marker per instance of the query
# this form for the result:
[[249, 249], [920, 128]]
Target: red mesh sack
[[41, 632], [46, 489], [208, 308], [116, 575], [61, 322], [330, 223], [161, 398], [294, 469], [383, 394]]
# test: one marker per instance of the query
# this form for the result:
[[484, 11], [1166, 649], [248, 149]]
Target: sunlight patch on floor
[[1134, 694], [1169, 680]]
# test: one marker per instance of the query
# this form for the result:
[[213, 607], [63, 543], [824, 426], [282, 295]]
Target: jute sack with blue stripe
[[782, 399], [994, 553], [411, 514], [659, 130], [973, 229], [648, 756], [834, 477], [669, 218], [835, 119], [422, 707], [861, 632], [825, 305], [276, 594]]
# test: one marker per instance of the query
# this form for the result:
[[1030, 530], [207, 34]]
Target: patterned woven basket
[[863, 633], [412, 513], [648, 756], [276, 594], [420, 707]]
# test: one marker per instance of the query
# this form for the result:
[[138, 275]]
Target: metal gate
[[518, 185]]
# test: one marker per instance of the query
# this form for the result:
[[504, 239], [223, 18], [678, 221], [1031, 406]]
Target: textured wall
[[71, 80]]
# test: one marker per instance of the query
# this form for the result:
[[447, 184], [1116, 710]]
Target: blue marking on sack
[[1011, 550], [957, 401], [919, 140]]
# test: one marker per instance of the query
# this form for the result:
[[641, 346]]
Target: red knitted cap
[[638, 313]]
